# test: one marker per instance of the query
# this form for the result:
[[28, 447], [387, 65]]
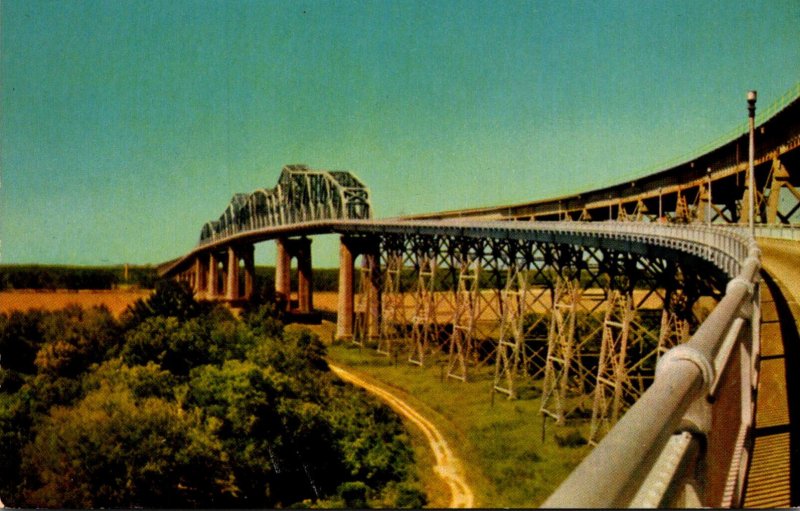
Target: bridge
[[641, 305]]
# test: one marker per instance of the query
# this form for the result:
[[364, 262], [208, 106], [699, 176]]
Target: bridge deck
[[774, 461]]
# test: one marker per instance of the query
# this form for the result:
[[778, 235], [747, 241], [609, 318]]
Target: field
[[512, 459], [116, 300]]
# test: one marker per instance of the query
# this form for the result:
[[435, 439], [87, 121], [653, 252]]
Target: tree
[[281, 447], [170, 298], [20, 340], [112, 450], [142, 380], [74, 338]]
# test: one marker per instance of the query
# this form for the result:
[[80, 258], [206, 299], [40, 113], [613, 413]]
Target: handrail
[[778, 231], [614, 472]]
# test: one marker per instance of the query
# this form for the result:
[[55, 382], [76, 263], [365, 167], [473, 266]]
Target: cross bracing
[[550, 311]]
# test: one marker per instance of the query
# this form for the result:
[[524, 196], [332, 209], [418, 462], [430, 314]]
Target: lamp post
[[708, 204], [751, 184]]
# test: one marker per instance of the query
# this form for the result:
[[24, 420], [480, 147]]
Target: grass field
[[116, 300], [507, 462]]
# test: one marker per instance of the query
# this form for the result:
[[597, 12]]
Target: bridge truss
[[301, 195], [585, 324]]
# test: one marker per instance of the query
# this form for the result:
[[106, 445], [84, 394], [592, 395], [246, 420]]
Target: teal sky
[[127, 125]]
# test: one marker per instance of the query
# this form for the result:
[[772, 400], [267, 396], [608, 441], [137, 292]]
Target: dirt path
[[448, 467]]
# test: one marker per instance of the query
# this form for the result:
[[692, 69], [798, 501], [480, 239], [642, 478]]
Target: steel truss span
[[301, 195], [492, 296]]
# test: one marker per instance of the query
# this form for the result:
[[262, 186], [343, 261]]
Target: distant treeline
[[13, 276], [145, 277], [34, 276]]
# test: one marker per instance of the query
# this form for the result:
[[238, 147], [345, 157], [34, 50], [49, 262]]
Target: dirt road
[[448, 467]]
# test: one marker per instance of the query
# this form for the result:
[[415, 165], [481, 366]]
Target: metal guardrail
[[682, 443]]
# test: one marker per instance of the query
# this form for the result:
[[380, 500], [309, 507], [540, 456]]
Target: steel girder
[[585, 321], [301, 195]]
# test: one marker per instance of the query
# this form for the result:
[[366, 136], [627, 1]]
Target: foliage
[[284, 441], [265, 320], [112, 450], [170, 298], [20, 340], [74, 277], [181, 404], [74, 338]]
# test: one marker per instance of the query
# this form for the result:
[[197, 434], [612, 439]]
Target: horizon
[[127, 126]]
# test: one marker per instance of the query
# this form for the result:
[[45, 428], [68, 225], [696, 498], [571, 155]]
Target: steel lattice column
[[393, 320], [461, 348], [424, 328]]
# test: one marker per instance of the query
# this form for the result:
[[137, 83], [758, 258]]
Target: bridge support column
[[287, 250], [248, 253], [232, 275], [213, 277], [200, 274], [344, 316], [305, 276], [282, 272]]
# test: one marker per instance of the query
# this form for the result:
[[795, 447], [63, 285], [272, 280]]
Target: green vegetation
[[500, 443], [34, 276], [180, 404], [14, 276]]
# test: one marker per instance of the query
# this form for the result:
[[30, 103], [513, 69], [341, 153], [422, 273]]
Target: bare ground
[[448, 466], [116, 300]]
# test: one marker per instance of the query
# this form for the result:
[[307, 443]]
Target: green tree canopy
[[112, 450]]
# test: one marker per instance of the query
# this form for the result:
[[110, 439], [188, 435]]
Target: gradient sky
[[127, 125]]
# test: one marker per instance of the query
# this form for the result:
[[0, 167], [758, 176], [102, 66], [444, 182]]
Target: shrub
[[572, 438]]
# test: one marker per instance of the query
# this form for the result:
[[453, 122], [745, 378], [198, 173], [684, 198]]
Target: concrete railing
[[784, 232], [682, 444]]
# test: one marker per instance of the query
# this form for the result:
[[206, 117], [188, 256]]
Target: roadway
[[781, 259], [775, 456]]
